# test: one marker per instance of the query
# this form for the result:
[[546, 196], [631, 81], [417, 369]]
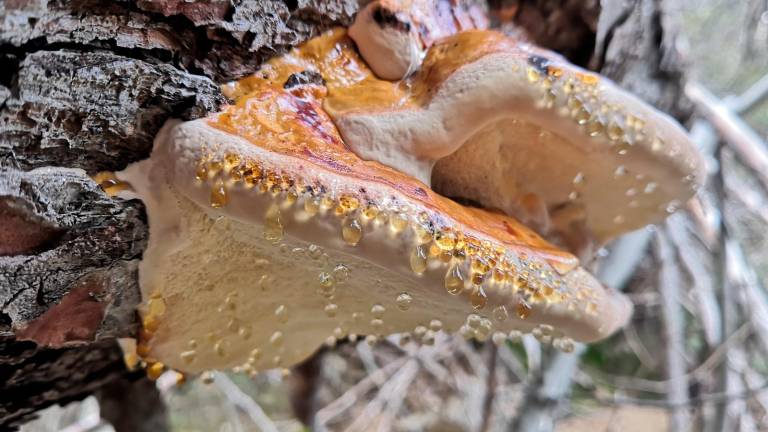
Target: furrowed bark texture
[[84, 87]]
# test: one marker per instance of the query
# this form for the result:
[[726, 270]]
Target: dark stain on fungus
[[307, 77], [539, 62], [386, 18]]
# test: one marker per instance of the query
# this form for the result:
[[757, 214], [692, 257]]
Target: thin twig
[[702, 372], [753, 96], [490, 388], [346, 400], [696, 401], [244, 402], [669, 285], [750, 148]]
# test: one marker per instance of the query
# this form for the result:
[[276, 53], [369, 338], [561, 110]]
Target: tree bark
[[84, 87]]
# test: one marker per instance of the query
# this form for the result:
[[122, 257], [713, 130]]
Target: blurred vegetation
[[726, 43]]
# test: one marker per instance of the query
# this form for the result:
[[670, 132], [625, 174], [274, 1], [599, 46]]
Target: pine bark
[[84, 87]]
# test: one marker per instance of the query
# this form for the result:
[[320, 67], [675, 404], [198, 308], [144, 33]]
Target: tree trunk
[[84, 87]]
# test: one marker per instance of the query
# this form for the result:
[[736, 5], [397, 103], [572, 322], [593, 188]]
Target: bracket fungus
[[302, 214], [512, 127], [393, 35]]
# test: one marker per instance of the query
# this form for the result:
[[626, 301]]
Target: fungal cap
[[517, 128], [392, 35], [313, 250]]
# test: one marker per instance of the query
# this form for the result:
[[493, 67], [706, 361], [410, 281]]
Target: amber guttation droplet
[[326, 203], [351, 231], [219, 196], [371, 211], [500, 313], [331, 309], [398, 222], [581, 115], [142, 349], [614, 131], [591, 308], [155, 305], [341, 272], [499, 338], [188, 356], [251, 174], [201, 173], [519, 283], [478, 299], [422, 234], [445, 240], [326, 283], [454, 280], [436, 325], [155, 370], [377, 311], [418, 259], [291, 197], [109, 183], [311, 206], [595, 127], [348, 203], [403, 301], [214, 167], [566, 345], [533, 75], [231, 160], [273, 226], [281, 313], [276, 339], [523, 310]]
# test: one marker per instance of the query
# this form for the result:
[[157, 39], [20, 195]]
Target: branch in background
[[490, 388], [751, 199], [697, 401], [674, 326], [738, 416], [747, 144], [751, 98], [543, 406], [752, 296], [703, 288], [346, 400], [244, 402]]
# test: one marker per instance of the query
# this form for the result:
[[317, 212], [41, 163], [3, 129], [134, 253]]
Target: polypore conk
[[392, 35], [268, 238], [516, 128]]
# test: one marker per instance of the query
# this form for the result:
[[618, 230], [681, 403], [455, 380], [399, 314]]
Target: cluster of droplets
[[577, 97], [153, 310], [473, 268], [471, 265], [110, 184]]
